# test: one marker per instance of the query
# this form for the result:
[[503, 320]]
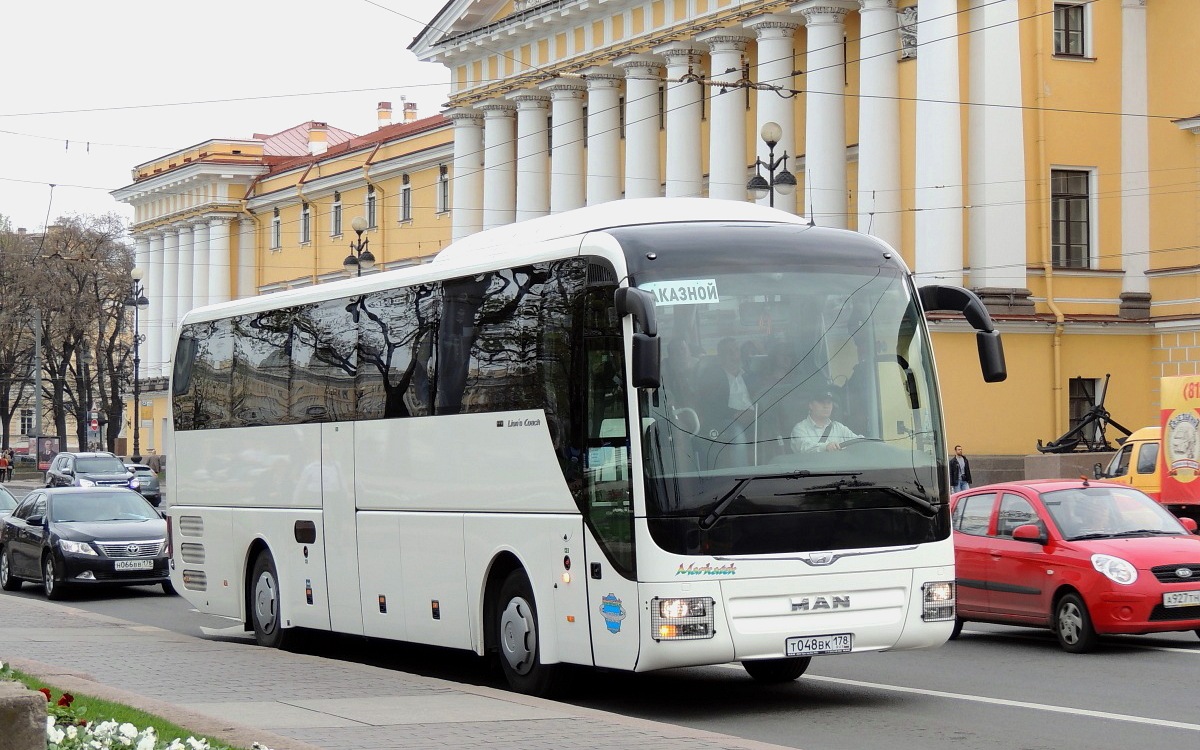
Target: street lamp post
[[784, 181], [360, 257], [137, 300]]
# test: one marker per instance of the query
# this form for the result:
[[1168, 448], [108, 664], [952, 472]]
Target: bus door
[[608, 509]]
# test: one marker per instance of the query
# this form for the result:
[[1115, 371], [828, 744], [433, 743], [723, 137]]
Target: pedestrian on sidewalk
[[960, 471]]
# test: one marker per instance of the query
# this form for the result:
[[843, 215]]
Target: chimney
[[383, 110], [20, 230], [318, 138], [410, 111]]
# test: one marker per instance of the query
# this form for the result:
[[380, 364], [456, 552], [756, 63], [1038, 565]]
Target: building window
[[335, 228], [662, 107], [1069, 37], [1070, 224], [443, 193], [305, 224], [1082, 394], [405, 199], [621, 107], [371, 207], [276, 231], [550, 133], [27, 421]]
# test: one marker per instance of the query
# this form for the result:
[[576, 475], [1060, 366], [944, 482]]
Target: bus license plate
[[1181, 599], [815, 645], [133, 564]]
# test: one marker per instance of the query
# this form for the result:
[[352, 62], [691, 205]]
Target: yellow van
[[1136, 463]]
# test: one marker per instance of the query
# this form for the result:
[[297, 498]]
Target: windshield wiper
[[736, 493], [1152, 532]]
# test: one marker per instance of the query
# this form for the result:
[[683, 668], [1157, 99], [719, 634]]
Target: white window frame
[[405, 198], [276, 231], [26, 421], [335, 224], [305, 223], [371, 207], [1088, 53], [443, 193]]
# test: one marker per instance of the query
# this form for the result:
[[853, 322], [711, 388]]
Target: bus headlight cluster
[[682, 619], [938, 601]]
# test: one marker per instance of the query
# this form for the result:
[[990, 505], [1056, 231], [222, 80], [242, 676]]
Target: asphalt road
[[993, 688]]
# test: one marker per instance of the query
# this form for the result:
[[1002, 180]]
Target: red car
[[1082, 558]]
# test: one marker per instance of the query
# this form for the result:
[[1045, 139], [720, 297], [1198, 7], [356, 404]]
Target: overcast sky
[[91, 89]]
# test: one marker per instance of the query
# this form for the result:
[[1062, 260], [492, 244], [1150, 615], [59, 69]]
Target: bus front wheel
[[518, 640], [265, 601], [770, 671]]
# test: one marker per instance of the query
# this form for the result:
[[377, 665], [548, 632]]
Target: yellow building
[[1045, 153], [231, 218]]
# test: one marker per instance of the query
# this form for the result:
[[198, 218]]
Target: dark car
[[83, 536], [1081, 558], [147, 482], [90, 470], [7, 502]]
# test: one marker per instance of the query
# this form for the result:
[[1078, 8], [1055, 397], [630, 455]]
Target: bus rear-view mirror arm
[[646, 364], [987, 338]]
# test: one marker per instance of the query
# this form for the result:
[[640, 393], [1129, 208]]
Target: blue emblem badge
[[613, 612]]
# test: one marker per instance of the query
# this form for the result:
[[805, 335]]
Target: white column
[[642, 76], [499, 163], [142, 262], [219, 260], [467, 186], [170, 291], [603, 135], [1135, 149], [938, 193], [996, 220], [201, 264], [185, 262], [825, 118], [727, 157], [533, 164], [685, 172], [247, 261], [155, 312], [879, 122], [775, 66], [566, 143]]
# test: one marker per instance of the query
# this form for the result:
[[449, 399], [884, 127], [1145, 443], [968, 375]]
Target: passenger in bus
[[679, 372], [819, 431]]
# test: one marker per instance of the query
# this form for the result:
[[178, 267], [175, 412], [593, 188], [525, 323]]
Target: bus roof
[[511, 244], [514, 238]]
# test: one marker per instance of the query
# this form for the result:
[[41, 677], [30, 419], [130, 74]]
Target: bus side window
[[607, 475]]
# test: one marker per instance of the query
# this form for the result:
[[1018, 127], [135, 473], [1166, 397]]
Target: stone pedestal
[[22, 717], [1135, 306], [1006, 300]]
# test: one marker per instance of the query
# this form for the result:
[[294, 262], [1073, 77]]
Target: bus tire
[[518, 639], [774, 671], [265, 603]]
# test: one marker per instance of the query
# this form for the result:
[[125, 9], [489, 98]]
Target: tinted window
[[325, 357], [101, 506], [99, 465], [206, 402], [396, 345], [975, 514], [261, 378]]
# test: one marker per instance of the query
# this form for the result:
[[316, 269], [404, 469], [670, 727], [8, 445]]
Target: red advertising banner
[[1180, 439]]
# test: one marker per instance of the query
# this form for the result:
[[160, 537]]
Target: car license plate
[[134, 565], [1181, 599], [814, 645]]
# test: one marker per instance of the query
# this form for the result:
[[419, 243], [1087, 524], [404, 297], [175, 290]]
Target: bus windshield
[[805, 392]]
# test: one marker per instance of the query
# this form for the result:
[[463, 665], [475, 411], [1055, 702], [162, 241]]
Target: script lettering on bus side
[[707, 569], [520, 423]]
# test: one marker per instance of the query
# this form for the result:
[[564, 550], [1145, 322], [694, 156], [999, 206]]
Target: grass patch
[[97, 710]]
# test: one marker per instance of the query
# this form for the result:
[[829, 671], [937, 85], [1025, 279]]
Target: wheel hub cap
[[517, 636], [264, 603]]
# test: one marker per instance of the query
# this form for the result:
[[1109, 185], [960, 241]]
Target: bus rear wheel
[[266, 603], [773, 671], [518, 639]]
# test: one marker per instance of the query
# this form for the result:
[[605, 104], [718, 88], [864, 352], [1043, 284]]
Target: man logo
[[819, 603]]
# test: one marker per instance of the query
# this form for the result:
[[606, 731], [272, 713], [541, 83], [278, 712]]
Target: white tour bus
[[577, 439]]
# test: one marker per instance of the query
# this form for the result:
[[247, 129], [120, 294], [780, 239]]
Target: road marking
[[1000, 702]]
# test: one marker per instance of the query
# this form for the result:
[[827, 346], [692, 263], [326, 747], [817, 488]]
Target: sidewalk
[[242, 693]]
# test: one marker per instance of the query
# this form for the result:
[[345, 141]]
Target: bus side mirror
[[646, 363], [987, 338]]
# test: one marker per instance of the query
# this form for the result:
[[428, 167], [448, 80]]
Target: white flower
[[148, 741], [54, 734], [128, 730], [197, 744], [175, 745], [73, 732]]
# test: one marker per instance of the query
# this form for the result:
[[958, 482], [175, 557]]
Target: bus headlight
[[938, 601], [682, 619]]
